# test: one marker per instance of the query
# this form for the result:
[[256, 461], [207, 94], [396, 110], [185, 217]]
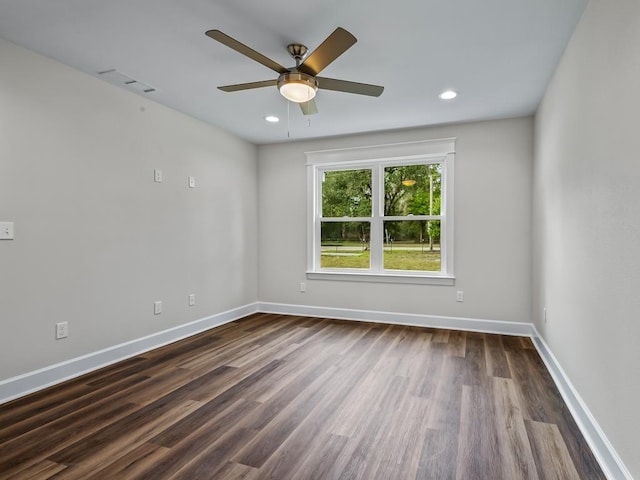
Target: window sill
[[382, 278]]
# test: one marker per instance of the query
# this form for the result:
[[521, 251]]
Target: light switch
[[6, 230], [192, 182]]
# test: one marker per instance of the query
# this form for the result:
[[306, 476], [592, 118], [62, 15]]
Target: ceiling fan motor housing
[[297, 51]]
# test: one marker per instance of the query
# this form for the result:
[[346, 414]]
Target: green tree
[[412, 190], [346, 193]]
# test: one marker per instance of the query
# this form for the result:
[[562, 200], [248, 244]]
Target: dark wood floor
[[282, 397]]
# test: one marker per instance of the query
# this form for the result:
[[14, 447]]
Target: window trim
[[374, 158]]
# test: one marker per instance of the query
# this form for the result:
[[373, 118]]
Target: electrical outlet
[[303, 287], [157, 307], [62, 330], [192, 299], [157, 176], [459, 296]]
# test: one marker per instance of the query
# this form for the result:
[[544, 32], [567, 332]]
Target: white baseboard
[[410, 319], [604, 452], [45, 377]]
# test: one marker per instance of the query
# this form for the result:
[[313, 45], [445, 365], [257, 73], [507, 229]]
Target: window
[[382, 213]]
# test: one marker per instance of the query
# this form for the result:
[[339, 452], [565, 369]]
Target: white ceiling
[[498, 54]]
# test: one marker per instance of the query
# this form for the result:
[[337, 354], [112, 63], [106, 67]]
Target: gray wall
[[492, 226], [97, 241], [587, 219]]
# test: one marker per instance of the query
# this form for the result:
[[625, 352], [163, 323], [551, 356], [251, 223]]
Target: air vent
[[119, 78]]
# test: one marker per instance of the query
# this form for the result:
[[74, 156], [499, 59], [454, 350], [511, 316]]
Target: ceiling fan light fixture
[[297, 87]]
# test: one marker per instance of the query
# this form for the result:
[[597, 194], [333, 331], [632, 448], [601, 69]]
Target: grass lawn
[[396, 260]]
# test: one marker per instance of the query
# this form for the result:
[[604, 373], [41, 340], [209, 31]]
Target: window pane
[[345, 244], [412, 245], [412, 190], [346, 193]]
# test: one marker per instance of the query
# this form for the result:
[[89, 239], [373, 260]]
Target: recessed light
[[272, 119], [448, 95]]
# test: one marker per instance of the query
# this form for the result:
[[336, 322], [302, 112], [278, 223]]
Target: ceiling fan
[[300, 83]]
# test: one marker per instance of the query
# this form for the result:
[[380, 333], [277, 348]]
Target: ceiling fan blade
[[349, 87], [334, 45], [246, 51], [309, 108], [248, 86]]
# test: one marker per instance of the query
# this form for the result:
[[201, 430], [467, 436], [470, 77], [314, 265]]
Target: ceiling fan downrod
[[298, 52]]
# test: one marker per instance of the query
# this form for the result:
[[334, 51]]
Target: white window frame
[[377, 158]]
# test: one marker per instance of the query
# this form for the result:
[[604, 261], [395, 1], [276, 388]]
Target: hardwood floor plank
[[441, 336], [44, 469], [446, 401], [425, 383], [267, 441], [37, 403], [438, 458], [288, 394], [511, 343], [235, 471], [182, 429], [527, 344], [38, 444], [87, 447], [541, 401], [229, 348], [406, 350], [202, 439], [475, 362], [366, 391], [215, 458], [413, 354], [390, 400], [513, 444], [267, 349], [177, 351], [497, 364], [161, 384], [457, 343], [398, 444], [57, 411], [319, 466], [131, 464], [532, 388], [92, 377], [364, 343], [103, 448], [324, 350], [552, 457], [579, 451], [478, 447]]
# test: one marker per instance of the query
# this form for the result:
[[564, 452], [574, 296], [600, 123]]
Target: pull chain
[[288, 124]]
